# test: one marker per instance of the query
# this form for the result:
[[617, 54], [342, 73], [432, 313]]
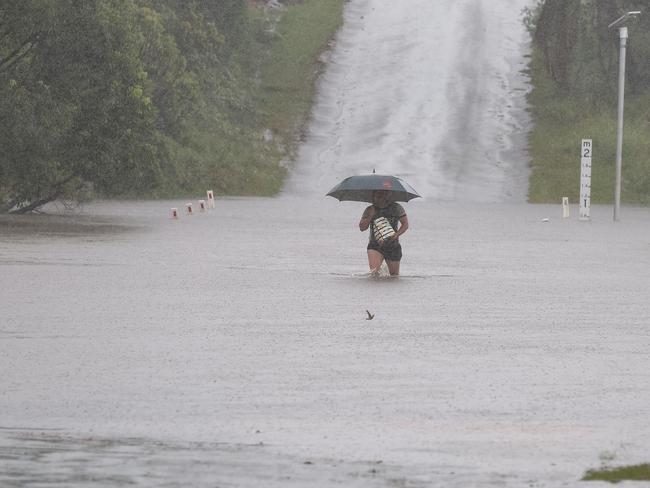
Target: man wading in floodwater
[[389, 248]]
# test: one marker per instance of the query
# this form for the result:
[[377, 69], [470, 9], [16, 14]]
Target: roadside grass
[[562, 121], [237, 158], [638, 472], [288, 77]]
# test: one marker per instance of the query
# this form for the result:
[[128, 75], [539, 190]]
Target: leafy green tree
[[78, 98], [580, 52], [556, 35], [132, 96]]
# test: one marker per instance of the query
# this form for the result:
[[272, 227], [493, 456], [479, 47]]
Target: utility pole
[[623, 35]]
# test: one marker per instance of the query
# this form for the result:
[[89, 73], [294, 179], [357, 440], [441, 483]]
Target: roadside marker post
[[586, 151], [174, 213], [565, 207], [202, 205], [188, 206], [210, 194]]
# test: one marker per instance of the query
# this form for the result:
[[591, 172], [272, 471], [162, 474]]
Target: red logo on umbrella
[[388, 184]]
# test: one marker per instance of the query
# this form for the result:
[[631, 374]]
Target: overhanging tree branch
[[20, 52], [56, 193]]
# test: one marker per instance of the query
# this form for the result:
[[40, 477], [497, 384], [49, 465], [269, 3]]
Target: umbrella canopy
[[360, 188]]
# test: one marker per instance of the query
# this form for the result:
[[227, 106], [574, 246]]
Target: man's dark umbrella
[[361, 187]]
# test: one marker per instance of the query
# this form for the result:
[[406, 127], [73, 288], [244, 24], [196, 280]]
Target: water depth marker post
[[585, 178], [565, 207]]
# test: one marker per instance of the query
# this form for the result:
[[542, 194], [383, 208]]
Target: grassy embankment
[[280, 100], [561, 122], [288, 77]]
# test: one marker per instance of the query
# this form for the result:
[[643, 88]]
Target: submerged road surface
[[429, 90], [232, 348]]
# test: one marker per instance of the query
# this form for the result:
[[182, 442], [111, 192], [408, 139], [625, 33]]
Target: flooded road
[[231, 348]]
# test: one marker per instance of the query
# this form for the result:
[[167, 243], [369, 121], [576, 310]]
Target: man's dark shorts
[[391, 252]]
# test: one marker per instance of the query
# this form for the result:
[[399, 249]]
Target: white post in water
[[585, 179], [565, 207]]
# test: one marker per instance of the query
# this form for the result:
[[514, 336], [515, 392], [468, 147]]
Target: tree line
[[580, 52], [129, 97]]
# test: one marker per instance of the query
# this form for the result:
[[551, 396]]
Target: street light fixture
[[622, 32]]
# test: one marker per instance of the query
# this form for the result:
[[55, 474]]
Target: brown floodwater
[[231, 347]]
